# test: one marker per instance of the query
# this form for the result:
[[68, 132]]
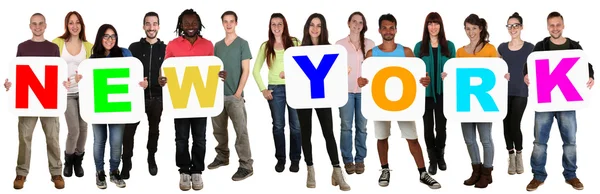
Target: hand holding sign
[[7, 84], [425, 80], [144, 84], [38, 76]]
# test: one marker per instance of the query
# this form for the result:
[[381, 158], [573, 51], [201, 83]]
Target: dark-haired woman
[[515, 53], [106, 45], [435, 50], [315, 33]]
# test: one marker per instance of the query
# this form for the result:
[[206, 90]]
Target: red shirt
[[180, 47]]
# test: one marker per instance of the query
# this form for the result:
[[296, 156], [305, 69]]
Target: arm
[[361, 80], [246, 56], [424, 80], [417, 51], [168, 51], [258, 64]]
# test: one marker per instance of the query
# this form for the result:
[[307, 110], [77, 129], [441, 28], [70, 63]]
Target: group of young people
[[434, 49]]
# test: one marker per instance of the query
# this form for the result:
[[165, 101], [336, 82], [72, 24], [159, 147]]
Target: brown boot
[[59, 182], [486, 178], [475, 175], [19, 182]]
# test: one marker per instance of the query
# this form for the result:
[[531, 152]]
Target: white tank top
[[73, 65]]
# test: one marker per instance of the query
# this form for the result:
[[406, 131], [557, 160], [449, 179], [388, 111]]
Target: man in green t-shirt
[[235, 54]]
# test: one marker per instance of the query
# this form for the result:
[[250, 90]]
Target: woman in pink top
[[357, 46]]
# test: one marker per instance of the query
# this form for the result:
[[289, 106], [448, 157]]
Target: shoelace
[[385, 174], [427, 179]]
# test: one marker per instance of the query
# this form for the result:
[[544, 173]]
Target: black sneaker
[[384, 179], [242, 174], [101, 179], [216, 164], [427, 180], [115, 177]]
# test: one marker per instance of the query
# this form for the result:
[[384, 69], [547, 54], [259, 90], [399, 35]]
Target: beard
[[388, 37], [556, 37], [187, 34], [149, 36]]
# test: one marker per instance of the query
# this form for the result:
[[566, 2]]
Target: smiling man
[[190, 43], [150, 50]]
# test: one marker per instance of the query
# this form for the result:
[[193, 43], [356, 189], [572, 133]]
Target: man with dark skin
[[190, 43]]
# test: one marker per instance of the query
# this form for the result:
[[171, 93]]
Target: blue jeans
[[115, 134], [277, 106], [567, 125], [485, 136], [349, 112]]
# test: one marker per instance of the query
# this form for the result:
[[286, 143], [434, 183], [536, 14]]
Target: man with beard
[[567, 120], [151, 52], [387, 29], [190, 43]]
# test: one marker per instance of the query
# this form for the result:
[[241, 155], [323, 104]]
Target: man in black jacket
[[151, 52], [567, 120]]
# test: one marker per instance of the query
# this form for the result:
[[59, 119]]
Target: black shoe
[[295, 167], [69, 161], [280, 166], [126, 168], [433, 162], [440, 159], [152, 168], [77, 160], [242, 174]]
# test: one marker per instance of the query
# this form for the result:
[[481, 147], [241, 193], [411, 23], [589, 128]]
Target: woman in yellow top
[[272, 51], [74, 48], [479, 46]]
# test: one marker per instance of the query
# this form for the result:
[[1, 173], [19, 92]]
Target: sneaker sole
[[198, 187], [384, 183], [101, 187], [242, 178], [184, 188], [215, 167]]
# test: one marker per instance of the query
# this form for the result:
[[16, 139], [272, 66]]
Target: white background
[[253, 26]]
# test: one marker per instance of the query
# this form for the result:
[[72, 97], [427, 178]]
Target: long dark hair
[[482, 24], [434, 17], [285, 36], [67, 35], [179, 30], [323, 37], [98, 49], [362, 32]]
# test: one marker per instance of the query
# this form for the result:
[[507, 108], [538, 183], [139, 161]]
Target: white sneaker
[[197, 183], [184, 182]]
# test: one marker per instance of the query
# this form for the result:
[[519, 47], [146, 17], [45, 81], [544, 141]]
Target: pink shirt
[[355, 59], [180, 47]]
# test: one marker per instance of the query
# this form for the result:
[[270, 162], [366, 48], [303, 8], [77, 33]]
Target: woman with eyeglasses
[[515, 53], [106, 45]]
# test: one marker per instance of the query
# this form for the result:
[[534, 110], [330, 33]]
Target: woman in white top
[[74, 48]]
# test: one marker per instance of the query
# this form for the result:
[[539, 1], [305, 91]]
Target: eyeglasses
[[107, 36], [513, 26]]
